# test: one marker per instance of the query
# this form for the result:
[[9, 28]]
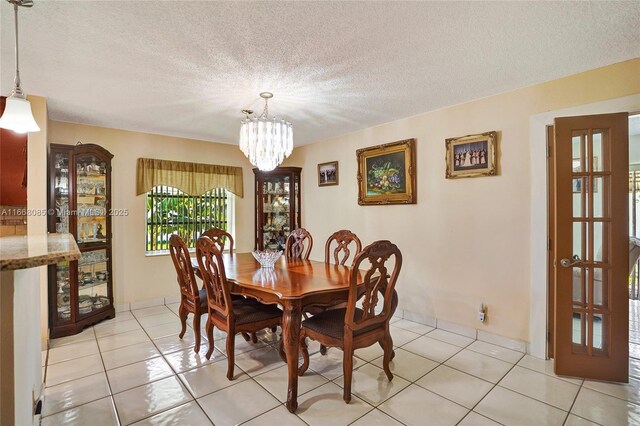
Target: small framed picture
[[328, 173], [472, 155]]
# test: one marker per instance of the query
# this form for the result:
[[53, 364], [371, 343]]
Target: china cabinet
[[81, 291], [277, 206]]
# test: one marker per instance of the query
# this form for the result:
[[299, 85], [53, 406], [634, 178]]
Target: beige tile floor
[[134, 370]]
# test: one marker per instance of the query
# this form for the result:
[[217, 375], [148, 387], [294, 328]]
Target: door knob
[[566, 263]]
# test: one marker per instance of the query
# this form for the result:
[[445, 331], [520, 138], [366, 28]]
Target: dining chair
[[220, 237], [230, 316], [296, 242], [337, 249], [353, 328], [341, 253], [192, 299]]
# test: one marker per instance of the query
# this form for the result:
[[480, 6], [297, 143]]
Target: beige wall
[[138, 277], [467, 241]]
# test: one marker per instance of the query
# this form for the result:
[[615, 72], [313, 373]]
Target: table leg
[[291, 335]]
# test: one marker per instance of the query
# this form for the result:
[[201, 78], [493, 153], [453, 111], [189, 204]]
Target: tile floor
[[135, 370]]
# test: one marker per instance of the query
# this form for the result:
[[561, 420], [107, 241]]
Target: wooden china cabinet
[[277, 206], [80, 292]]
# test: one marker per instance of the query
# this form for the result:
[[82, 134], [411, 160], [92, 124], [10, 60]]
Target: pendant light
[[17, 111], [265, 141]]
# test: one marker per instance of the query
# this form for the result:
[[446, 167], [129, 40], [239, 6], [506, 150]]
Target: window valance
[[191, 178]]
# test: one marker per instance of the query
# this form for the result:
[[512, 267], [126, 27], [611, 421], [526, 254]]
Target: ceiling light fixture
[[265, 141], [17, 111]]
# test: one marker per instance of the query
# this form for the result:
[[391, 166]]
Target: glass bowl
[[267, 258]]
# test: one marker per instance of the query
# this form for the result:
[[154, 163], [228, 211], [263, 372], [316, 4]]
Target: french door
[[589, 246]]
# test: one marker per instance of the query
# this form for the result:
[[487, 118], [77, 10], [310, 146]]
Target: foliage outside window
[[171, 211]]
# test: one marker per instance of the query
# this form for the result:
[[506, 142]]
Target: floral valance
[[190, 178]]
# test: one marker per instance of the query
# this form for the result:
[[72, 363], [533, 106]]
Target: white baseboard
[[122, 307], [505, 342], [458, 329], [148, 303]]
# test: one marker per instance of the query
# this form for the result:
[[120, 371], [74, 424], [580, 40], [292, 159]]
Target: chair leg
[[387, 346], [246, 336], [196, 330], [347, 369], [305, 356], [210, 338], [254, 338], [323, 350], [230, 354], [274, 328], [183, 314]]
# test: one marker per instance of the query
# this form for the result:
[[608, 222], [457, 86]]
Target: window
[[171, 211]]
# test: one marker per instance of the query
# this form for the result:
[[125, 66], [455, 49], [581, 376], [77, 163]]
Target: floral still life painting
[[386, 173]]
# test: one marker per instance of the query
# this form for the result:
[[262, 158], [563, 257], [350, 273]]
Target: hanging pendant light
[[17, 111], [265, 141]]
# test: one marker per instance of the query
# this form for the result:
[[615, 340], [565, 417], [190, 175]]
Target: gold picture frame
[[472, 156], [387, 173], [328, 173]]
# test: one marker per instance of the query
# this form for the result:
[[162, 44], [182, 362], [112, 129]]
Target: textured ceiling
[[187, 68]]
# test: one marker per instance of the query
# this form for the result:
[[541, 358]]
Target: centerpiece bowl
[[267, 258]]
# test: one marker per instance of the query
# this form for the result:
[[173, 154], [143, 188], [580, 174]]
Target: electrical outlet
[[481, 312]]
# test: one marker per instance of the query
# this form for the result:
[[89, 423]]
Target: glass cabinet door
[[61, 192], [275, 209], [93, 281], [63, 293], [91, 199]]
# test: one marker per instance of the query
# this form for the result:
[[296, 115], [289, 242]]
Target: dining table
[[295, 285]]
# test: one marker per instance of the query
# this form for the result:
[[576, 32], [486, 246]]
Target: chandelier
[[265, 141], [17, 112]]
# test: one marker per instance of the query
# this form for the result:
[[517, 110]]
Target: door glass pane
[[63, 293], [599, 146], [580, 199], [579, 240], [600, 238], [579, 328], [578, 287], [577, 152], [601, 196], [601, 287], [600, 333], [93, 278]]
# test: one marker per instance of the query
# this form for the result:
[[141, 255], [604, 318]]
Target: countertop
[[30, 251]]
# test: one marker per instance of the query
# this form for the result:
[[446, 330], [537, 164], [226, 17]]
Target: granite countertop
[[30, 251]]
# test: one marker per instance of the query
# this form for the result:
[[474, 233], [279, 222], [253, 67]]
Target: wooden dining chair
[[220, 237], [230, 316], [352, 328], [192, 299], [296, 242], [337, 251], [342, 239]]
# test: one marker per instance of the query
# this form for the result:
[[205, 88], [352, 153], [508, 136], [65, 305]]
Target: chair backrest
[[182, 262], [219, 237], [296, 242], [377, 281], [341, 252], [214, 276]]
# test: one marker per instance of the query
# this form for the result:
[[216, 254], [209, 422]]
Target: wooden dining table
[[294, 284]]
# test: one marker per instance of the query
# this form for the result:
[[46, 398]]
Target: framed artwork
[[387, 173], [472, 155], [328, 173]]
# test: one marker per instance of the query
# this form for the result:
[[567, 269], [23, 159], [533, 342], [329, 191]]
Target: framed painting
[[472, 155], [387, 173], [328, 173]]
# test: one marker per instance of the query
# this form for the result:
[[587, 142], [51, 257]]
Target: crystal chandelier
[[17, 112], [265, 141]]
